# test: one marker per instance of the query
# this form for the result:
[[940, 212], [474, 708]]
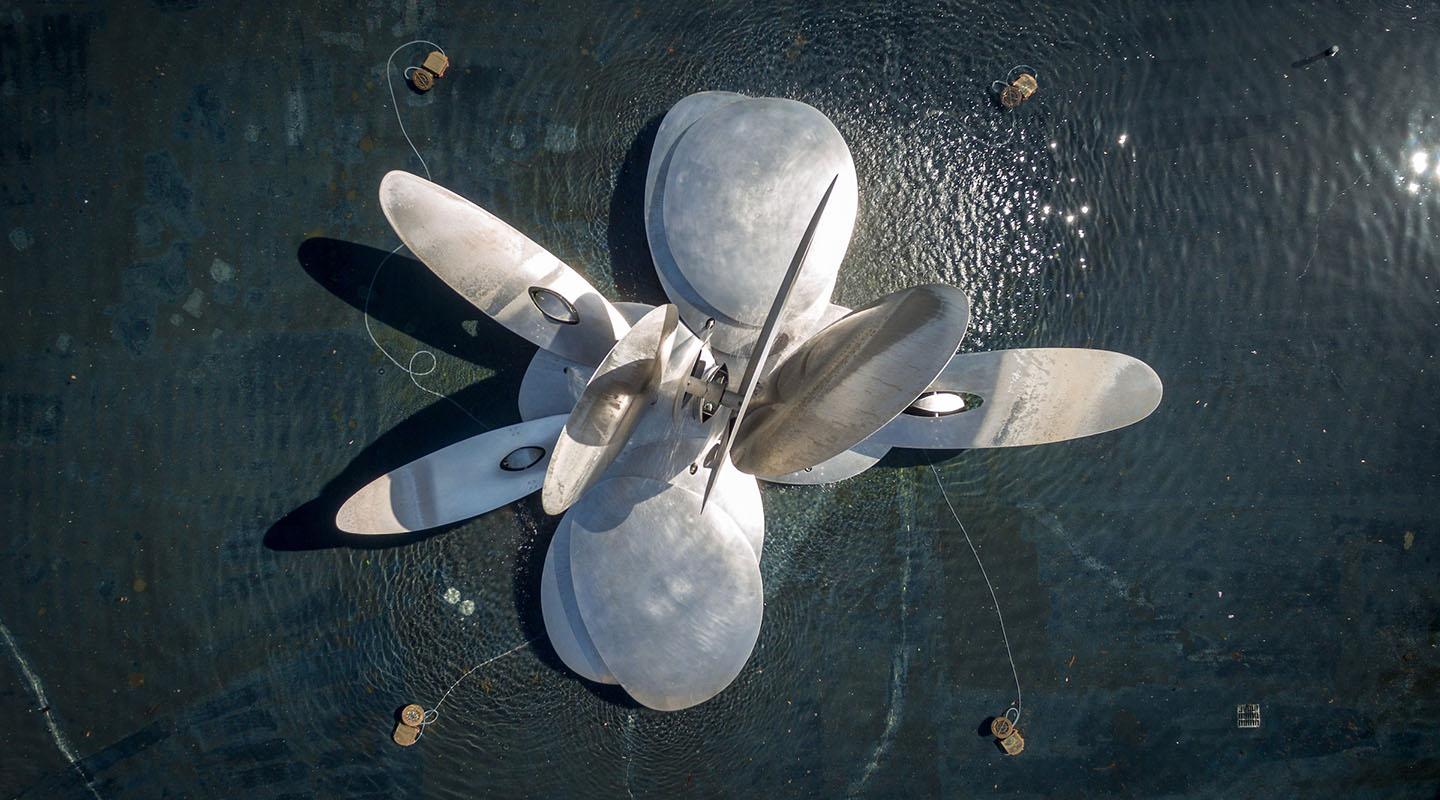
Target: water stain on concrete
[[295, 116], [145, 287], [560, 138], [169, 207], [195, 304], [20, 239], [221, 271]]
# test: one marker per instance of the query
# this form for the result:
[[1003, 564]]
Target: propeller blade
[[668, 459], [847, 465], [851, 378], [672, 602], [1028, 396], [721, 213], [761, 351], [464, 480], [563, 623], [603, 418], [500, 270], [552, 385]]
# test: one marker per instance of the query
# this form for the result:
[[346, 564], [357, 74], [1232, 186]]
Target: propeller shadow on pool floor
[[412, 300]]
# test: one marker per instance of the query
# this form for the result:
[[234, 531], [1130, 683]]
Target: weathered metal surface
[[669, 459], [602, 419], [761, 350], [563, 623], [553, 384], [451, 484], [671, 600], [850, 379], [495, 267], [1032, 396], [729, 191], [847, 465]]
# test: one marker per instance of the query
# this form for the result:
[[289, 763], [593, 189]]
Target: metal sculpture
[[648, 428]]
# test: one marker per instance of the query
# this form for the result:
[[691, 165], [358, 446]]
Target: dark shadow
[[906, 457], [312, 525], [631, 264], [1328, 52], [410, 298], [525, 588]]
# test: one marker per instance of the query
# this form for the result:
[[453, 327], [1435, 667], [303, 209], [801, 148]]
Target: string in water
[[1013, 713], [410, 368], [433, 714]]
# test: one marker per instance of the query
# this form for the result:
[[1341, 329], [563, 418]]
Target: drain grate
[[1247, 715]]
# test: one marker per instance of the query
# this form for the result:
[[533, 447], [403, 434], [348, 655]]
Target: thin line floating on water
[[414, 718], [1012, 721]]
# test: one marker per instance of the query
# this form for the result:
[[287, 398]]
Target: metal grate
[[1247, 715]]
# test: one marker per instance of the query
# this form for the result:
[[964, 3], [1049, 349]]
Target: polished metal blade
[[600, 424], [671, 601], [761, 351], [500, 270], [721, 214], [563, 623], [1030, 396], [455, 483], [848, 380]]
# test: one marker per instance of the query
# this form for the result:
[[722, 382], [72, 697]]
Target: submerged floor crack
[[899, 676], [43, 704]]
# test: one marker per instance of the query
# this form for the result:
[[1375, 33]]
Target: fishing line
[[433, 714], [410, 369], [1014, 720], [1315, 245]]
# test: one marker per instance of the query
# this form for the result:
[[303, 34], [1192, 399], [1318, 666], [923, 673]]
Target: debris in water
[[1329, 52]]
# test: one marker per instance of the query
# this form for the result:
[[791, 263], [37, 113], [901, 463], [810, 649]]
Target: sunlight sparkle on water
[[1419, 162]]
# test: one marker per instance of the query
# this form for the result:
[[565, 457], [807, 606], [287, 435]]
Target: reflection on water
[[1262, 235]]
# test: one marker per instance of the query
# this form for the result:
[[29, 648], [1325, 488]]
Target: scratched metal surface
[[187, 392]]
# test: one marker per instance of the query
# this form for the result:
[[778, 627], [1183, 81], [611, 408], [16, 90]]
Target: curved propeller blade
[[563, 623], [760, 353], [847, 465], [720, 224], [668, 460], [464, 480], [851, 378], [1031, 396], [500, 270], [607, 411], [672, 602], [552, 384]]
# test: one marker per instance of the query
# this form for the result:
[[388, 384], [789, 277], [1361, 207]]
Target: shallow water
[[189, 392]]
